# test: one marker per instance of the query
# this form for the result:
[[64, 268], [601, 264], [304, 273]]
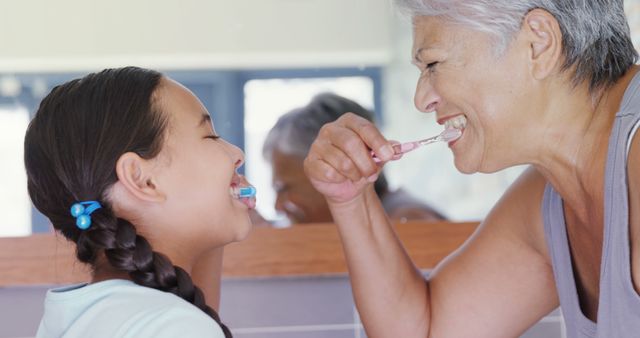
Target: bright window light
[[15, 206]]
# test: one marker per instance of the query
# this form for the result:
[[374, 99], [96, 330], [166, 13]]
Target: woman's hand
[[339, 163]]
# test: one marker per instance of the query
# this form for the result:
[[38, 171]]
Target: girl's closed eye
[[213, 137]]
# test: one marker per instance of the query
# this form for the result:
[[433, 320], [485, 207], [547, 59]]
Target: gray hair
[[296, 130], [596, 37]]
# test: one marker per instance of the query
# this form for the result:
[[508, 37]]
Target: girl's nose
[[237, 155]]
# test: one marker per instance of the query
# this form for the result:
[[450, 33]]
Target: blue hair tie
[[82, 212]]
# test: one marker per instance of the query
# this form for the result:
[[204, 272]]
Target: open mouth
[[458, 123], [244, 192]]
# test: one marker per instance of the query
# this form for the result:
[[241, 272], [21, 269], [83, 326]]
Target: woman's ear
[[544, 38], [136, 177]]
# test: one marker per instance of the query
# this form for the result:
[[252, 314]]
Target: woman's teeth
[[458, 122]]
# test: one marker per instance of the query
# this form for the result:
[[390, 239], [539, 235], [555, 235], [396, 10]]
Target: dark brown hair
[[71, 148]]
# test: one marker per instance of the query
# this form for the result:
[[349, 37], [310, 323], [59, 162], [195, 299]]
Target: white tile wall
[[305, 307]]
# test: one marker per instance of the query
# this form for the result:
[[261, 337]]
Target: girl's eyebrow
[[206, 119]]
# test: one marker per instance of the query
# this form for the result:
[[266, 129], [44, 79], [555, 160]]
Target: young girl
[[126, 164]]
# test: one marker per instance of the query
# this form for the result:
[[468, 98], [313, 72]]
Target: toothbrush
[[244, 192], [446, 136]]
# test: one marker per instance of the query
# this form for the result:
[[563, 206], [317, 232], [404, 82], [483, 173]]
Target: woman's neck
[[574, 147]]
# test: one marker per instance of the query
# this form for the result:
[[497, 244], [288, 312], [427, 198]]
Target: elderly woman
[[549, 83], [287, 145]]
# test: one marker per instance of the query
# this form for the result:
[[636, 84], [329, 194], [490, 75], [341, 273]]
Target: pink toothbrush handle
[[399, 149]]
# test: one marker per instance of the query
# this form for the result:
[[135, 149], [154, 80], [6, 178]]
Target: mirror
[[240, 58]]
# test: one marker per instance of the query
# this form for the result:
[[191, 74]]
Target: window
[[266, 100], [15, 206]]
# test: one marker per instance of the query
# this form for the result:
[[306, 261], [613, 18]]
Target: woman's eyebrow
[[416, 56]]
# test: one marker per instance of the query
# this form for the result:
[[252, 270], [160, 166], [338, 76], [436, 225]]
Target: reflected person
[[288, 143]]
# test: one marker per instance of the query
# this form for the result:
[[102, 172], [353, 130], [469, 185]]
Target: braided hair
[[71, 148]]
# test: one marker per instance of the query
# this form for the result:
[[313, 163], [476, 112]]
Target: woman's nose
[[426, 98], [279, 204]]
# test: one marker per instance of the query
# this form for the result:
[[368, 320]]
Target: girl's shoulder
[[167, 321], [119, 308]]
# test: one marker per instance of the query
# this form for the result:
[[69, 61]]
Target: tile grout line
[[356, 322], [295, 328], [550, 320], [563, 328]]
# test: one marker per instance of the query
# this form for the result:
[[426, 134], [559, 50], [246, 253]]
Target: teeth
[[458, 122], [243, 192]]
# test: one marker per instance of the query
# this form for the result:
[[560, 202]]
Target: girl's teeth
[[243, 192]]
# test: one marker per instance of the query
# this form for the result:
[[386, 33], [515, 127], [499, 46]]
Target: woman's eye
[[428, 68], [213, 137]]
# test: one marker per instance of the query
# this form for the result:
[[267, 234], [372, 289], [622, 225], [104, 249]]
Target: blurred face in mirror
[[296, 197]]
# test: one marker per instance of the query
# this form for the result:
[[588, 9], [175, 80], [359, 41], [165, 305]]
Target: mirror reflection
[[249, 66]]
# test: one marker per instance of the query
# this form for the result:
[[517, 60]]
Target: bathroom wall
[[293, 307], [80, 35]]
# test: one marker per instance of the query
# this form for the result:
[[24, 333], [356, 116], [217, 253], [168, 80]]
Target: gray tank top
[[619, 303]]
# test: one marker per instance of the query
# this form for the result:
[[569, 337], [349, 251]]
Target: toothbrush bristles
[[451, 134]]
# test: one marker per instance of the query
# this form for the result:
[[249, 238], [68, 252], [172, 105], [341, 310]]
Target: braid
[[128, 251]]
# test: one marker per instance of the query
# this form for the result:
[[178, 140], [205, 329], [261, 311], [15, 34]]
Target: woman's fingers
[[357, 138], [317, 169], [342, 151], [351, 154], [370, 135], [326, 151], [339, 160], [397, 150]]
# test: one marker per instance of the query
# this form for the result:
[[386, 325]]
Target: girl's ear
[[135, 175]]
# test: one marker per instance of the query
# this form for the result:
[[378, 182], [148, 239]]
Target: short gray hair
[[596, 37], [296, 130]]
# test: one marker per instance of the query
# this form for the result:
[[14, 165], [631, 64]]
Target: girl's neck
[[104, 271]]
